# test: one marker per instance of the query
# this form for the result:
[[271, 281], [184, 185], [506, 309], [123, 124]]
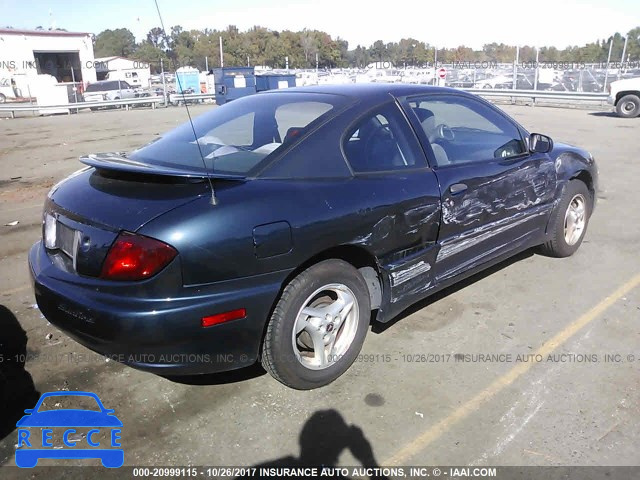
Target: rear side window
[[381, 142]]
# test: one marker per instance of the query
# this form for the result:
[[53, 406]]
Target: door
[[127, 90], [496, 195]]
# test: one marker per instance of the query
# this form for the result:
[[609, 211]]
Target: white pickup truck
[[625, 96]]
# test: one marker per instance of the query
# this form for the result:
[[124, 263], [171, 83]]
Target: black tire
[[557, 245], [279, 356], [2, 98], [628, 106]]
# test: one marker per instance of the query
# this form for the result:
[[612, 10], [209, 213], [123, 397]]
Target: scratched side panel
[[402, 234], [505, 207]]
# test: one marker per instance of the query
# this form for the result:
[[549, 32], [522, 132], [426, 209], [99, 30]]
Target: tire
[[2, 98], [326, 289], [628, 106], [562, 243]]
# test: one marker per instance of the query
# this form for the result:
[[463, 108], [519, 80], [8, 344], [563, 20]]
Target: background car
[[274, 228], [624, 95], [107, 90], [8, 91]]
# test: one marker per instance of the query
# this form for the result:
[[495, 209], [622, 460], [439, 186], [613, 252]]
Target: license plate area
[[67, 240]]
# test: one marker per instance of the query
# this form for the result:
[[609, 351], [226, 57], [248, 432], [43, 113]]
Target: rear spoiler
[[118, 161]]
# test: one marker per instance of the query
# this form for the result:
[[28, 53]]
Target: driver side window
[[380, 143], [463, 130]]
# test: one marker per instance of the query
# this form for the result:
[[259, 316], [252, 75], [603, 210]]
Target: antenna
[[214, 201]]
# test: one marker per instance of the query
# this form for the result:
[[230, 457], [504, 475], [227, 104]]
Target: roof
[[42, 33], [372, 90]]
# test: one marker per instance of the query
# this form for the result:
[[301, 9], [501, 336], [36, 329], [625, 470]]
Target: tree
[[157, 38], [149, 53], [119, 42], [262, 46]]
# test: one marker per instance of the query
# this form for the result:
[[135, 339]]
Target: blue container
[[233, 82], [187, 79], [274, 81]]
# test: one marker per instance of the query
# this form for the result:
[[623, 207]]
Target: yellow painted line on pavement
[[433, 433]]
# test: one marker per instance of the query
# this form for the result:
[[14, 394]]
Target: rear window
[[239, 137]]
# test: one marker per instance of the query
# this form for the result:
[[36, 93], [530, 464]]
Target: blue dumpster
[[274, 81], [233, 82], [187, 80]]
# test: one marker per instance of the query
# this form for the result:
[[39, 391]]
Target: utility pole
[[624, 50], [164, 85], [606, 74], [515, 68], [535, 76], [221, 54], [206, 64]]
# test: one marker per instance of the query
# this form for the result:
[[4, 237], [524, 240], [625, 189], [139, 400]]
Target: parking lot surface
[[509, 368]]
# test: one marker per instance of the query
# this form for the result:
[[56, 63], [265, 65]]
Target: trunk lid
[[92, 206]]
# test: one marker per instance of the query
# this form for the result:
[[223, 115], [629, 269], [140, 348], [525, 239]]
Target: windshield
[[237, 137]]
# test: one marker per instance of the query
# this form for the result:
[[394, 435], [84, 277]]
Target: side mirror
[[539, 143]]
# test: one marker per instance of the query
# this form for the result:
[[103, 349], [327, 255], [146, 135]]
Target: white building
[[134, 72], [67, 56]]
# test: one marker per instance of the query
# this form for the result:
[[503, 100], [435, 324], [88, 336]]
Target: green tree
[[119, 42]]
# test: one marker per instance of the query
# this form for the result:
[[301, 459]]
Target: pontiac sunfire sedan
[[330, 206]]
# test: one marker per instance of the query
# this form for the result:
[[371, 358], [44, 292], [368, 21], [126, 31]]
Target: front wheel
[[569, 222], [318, 326], [628, 106]]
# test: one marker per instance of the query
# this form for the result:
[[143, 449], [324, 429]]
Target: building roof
[[108, 59], [42, 33]]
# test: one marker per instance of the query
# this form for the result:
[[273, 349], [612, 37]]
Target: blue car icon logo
[[36, 432]]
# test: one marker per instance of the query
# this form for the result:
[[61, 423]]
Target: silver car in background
[[108, 90]]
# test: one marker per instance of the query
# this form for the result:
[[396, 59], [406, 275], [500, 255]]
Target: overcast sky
[[444, 23]]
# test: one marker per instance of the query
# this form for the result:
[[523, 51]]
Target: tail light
[[136, 257]]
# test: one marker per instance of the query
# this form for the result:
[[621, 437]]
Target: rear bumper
[[162, 335]]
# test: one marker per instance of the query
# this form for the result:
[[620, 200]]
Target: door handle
[[457, 188]]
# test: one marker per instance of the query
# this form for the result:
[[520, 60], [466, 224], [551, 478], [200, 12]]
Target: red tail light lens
[[136, 257], [223, 317]]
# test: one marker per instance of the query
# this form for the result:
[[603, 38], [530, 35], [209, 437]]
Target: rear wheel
[[2, 98], [628, 106], [569, 222], [318, 326]]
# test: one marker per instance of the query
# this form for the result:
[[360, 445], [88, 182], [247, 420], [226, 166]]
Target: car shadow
[[222, 378], [604, 114], [17, 391], [323, 438], [378, 327]]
